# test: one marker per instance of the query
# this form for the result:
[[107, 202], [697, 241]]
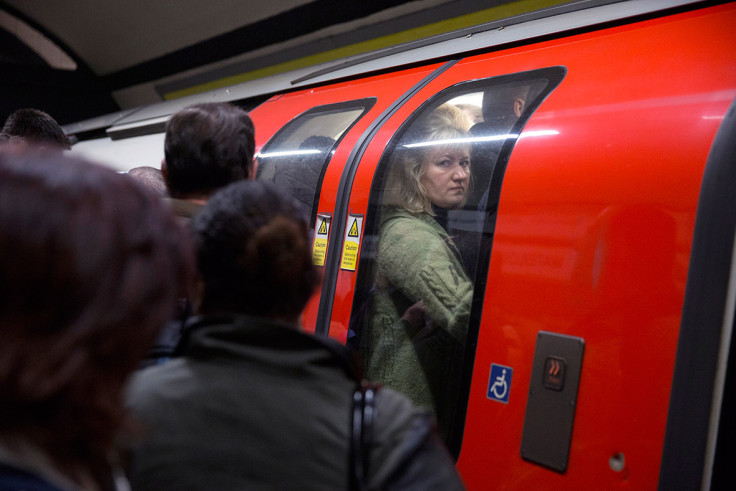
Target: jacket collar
[[264, 340]]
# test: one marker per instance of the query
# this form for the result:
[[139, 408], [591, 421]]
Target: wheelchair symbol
[[500, 383]]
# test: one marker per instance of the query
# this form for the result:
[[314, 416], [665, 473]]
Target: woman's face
[[446, 175]]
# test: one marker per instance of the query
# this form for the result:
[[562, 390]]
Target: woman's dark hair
[[207, 146], [91, 265], [254, 252]]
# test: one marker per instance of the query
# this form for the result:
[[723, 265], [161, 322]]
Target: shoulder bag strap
[[364, 413]]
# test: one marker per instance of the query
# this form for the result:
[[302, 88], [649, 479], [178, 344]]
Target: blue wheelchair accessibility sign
[[499, 384]]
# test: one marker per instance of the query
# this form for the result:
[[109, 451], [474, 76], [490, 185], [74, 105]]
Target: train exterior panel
[[580, 228]]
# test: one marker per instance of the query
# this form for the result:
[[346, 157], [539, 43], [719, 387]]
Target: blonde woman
[[417, 321]]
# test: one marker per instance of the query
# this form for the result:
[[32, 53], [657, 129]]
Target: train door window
[[296, 158], [416, 311]]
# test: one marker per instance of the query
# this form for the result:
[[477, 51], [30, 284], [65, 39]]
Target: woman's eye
[[445, 163], [465, 164]]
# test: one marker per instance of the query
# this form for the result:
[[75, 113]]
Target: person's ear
[[519, 104], [253, 169]]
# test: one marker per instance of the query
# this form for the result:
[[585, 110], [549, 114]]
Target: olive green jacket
[[417, 260]]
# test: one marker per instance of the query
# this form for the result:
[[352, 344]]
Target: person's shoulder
[[184, 208], [400, 222], [406, 420], [407, 451], [146, 384]]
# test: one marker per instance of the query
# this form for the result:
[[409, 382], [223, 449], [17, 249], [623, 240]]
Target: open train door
[[699, 440]]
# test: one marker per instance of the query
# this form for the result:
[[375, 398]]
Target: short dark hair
[[207, 146], [91, 265], [35, 126], [254, 252]]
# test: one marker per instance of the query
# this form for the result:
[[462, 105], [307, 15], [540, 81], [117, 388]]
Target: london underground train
[[598, 233]]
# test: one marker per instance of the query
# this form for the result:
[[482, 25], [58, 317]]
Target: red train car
[[599, 235]]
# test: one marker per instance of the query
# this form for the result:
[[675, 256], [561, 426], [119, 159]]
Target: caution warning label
[[354, 232], [351, 245], [321, 234]]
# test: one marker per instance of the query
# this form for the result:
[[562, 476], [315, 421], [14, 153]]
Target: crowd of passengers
[[98, 267]]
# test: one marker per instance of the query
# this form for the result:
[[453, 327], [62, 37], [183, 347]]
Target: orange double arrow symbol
[[554, 368]]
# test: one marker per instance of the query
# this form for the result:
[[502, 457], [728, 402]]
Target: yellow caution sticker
[[321, 234], [351, 245]]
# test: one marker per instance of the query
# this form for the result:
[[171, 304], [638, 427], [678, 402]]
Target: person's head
[[90, 268], [472, 111], [503, 106], [428, 167], [207, 146], [36, 127], [254, 253], [151, 177]]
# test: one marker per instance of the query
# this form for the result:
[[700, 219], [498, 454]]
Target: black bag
[[364, 413]]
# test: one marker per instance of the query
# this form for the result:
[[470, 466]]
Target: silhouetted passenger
[[254, 403], [89, 263], [419, 270], [151, 177], [298, 176], [502, 108], [37, 128], [207, 146]]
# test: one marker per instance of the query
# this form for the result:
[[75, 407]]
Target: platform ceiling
[[136, 52]]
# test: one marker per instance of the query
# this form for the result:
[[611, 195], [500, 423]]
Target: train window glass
[[416, 311], [296, 157]]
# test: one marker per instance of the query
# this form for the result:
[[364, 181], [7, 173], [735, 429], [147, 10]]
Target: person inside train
[[206, 147], [418, 313], [253, 402], [300, 175], [473, 112], [502, 108], [36, 127], [90, 265]]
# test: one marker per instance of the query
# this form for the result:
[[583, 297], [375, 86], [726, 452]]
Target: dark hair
[[498, 105], [37, 127], [254, 252], [90, 265], [207, 146], [150, 177]]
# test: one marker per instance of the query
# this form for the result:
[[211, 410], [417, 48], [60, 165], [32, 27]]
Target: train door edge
[[699, 447]]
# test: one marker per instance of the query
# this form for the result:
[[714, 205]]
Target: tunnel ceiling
[[125, 53]]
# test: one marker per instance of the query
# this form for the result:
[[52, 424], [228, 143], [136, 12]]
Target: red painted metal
[[593, 240], [593, 232]]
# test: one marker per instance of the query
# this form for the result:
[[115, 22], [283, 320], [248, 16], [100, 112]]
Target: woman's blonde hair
[[404, 187]]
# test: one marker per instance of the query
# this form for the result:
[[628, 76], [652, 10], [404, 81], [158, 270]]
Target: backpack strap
[[363, 416]]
